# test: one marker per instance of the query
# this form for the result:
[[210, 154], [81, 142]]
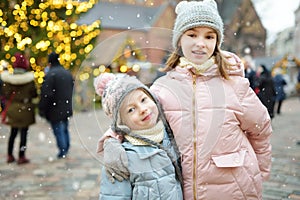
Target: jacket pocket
[[235, 159]]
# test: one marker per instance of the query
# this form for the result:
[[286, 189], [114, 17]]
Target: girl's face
[[198, 44], [138, 111]]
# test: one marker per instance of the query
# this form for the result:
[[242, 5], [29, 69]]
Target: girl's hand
[[115, 160]]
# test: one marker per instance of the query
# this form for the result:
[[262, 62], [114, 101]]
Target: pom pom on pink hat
[[100, 83]]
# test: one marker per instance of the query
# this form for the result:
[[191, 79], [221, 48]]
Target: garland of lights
[[36, 28]]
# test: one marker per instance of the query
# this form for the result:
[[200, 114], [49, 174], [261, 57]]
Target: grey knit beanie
[[197, 13], [113, 89]]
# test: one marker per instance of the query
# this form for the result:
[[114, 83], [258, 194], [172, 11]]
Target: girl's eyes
[[193, 35], [190, 33], [210, 37], [130, 110], [144, 99]]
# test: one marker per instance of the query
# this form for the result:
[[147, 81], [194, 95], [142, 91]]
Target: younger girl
[[147, 141]]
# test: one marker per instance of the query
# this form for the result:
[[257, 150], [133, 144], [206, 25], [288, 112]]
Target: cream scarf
[[197, 69], [155, 134]]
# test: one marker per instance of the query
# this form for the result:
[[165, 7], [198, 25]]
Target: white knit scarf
[[197, 69], [155, 134]]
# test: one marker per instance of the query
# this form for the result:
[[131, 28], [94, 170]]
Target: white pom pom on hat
[[194, 14], [101, 81]]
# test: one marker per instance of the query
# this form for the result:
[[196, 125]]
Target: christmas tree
[[37, 28]]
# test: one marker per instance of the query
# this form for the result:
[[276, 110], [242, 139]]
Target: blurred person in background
[[18, 89], [249, 72], [265, 88], [56, 102], [279, 83]]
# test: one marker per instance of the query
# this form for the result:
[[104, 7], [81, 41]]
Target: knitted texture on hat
[[194, 14], [113, 89]]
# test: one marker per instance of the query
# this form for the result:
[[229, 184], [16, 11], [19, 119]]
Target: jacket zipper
[[194, 139]]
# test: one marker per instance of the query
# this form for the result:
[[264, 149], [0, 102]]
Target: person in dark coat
[[279, 84], [19, 89], [265, 87], [56, 102], [249, 73]]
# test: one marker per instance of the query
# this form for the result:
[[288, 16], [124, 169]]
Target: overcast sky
[[276, 15]]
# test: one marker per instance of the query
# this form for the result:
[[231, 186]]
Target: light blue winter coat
[[152, 176]]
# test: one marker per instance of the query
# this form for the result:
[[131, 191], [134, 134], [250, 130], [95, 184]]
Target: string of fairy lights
[[37, 28]]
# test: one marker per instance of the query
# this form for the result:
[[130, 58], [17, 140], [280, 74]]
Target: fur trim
[[17, 79]]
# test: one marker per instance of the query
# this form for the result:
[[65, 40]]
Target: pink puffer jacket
[[222, 130]]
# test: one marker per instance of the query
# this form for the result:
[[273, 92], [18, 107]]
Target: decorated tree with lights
[[36, 28]]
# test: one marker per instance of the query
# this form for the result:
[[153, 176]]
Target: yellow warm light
[[11, 70], [36, 74], [43, 45], [88, 48], [45, 15], [32, 60], [43, 24], [102, 68], [17, 7], [50, 34], [43, 6], [50, 24], [136, 68], [6, 48], [73, 34], [123, 68], [69, 6], [79, 32], [4, 23], [56, 32], [56, 2], [73, 26], [41, 74], [69, 12], [73, 56], [67, 57], [7, 56], [84, 76], [67, 40], [40, 80], [96, 72]]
